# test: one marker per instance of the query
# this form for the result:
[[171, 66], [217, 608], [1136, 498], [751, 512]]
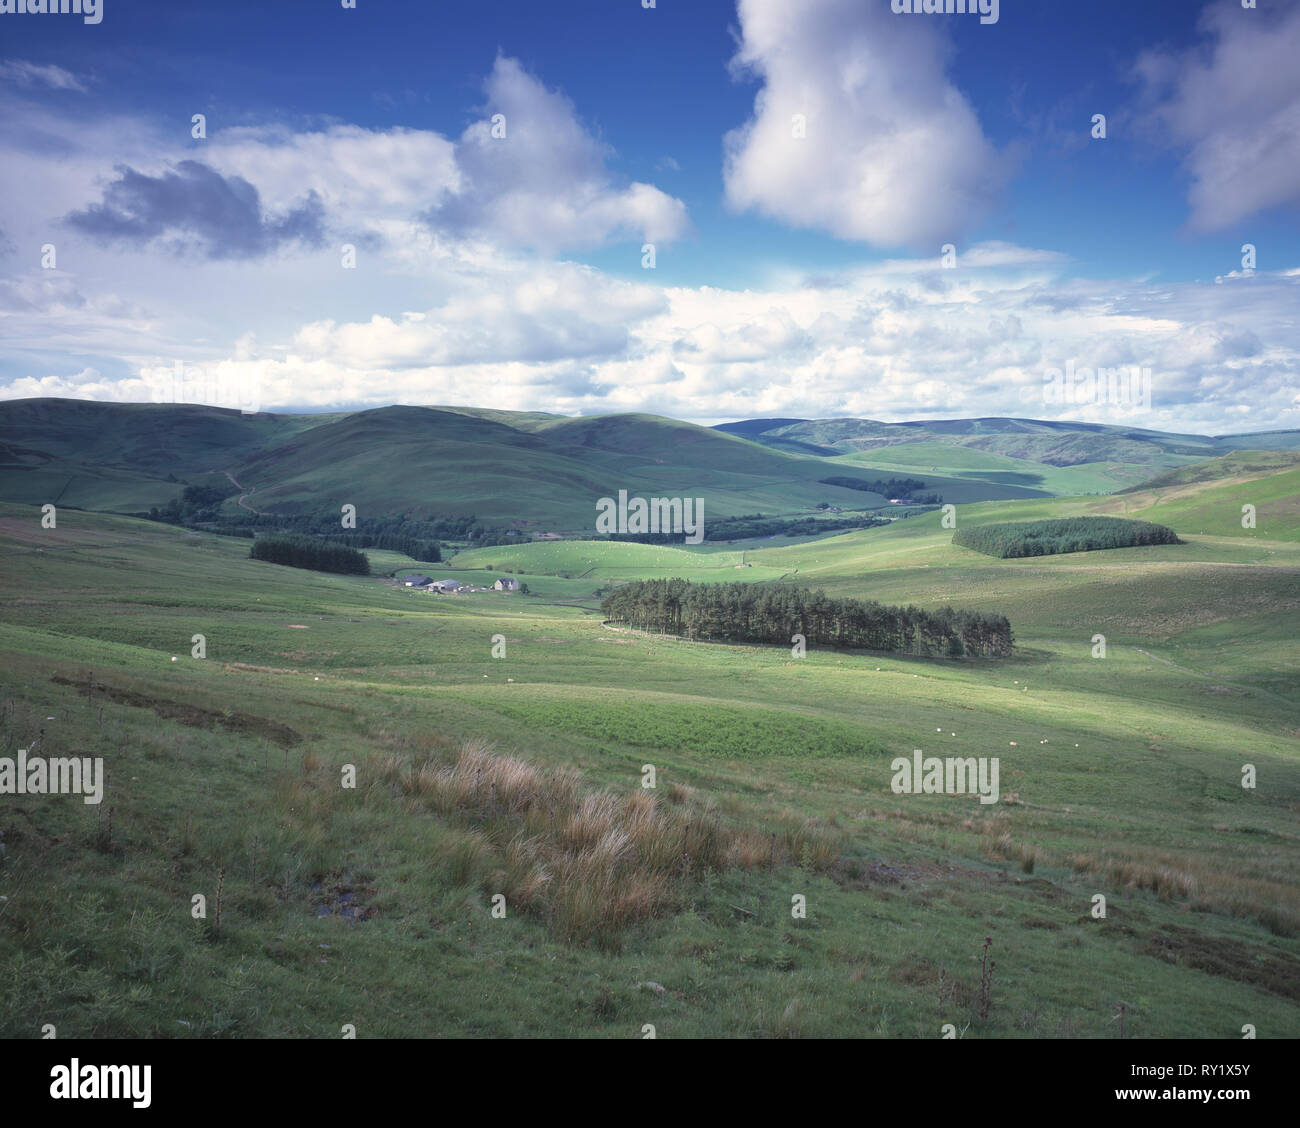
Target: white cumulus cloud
[[1234, 105], [534, 176], [891, 153]]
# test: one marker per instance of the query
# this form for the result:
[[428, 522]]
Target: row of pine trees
[[774, 614]]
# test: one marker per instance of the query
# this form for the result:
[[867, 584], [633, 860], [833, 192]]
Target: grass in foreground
[[373, 904]]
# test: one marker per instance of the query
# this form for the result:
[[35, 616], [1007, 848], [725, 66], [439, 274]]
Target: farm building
[[506, 583], [416, 581], [446, 587]]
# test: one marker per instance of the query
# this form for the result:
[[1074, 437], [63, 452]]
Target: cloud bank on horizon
[[812, 210]]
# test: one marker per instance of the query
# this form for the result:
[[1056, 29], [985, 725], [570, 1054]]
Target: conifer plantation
[[747, 613], [305, 552], [1009, 539]]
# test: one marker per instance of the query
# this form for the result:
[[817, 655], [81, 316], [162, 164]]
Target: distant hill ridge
[[1053, 442], [543, 472]]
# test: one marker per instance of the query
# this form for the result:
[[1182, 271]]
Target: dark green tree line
[[886, 487], [762, 613], [310, 552]]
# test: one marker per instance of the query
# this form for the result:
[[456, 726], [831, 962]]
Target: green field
[[968, 465], [1120, 776], [612, 560]]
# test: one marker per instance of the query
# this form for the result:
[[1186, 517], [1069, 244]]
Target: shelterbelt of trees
[[199, 507], [887, 487], [426, 551], [1070, 534], [311, 552], [756, 525], [774, 614]]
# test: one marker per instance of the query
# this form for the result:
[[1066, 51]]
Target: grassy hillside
[[1208, 497], [1118, 449], [1115, 779], [982, 469], [125, 456], [519, 420], [540, 471], [524, 468], [429, 462], [1237, 464], [1119, 776], [1062, 443], [606, 560]]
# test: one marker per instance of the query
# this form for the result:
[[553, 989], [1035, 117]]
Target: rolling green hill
[[542, 472], [429, 462], [1239, 464], [125, 457], [1055, 443], [985, 467], [526, 468], [1208, 498]]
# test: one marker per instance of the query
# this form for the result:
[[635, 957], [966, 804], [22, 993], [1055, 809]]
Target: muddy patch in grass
[[856, 873], [1270, 971], [343, 895], [920, 971], [192, 715]]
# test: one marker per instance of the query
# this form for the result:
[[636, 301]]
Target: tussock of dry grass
[[1209, 884], [592, 862]]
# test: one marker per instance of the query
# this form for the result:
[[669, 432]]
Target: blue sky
[[792, 275]]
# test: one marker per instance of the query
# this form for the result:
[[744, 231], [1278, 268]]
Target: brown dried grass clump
[[1251, 887], [592, 862]]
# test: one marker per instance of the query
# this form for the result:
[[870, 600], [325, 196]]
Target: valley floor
[[771, 884]]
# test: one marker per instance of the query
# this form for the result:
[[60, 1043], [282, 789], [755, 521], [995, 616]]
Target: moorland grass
[[522, 775]]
